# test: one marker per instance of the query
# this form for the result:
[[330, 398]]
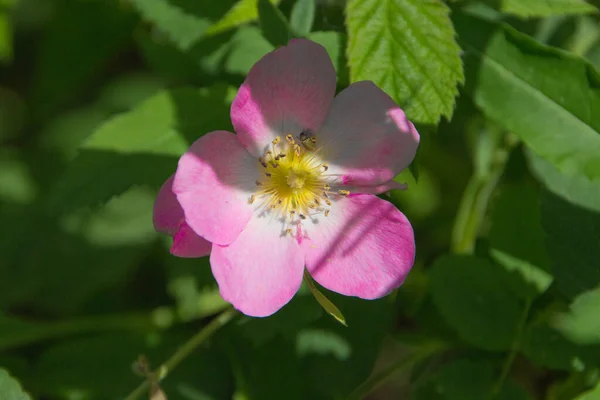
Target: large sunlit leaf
[[10, 389], [575, 189], [141, 146], [546, 96], [183, 22], [582, 323], [545, 8], [242, 12], [407, 48]]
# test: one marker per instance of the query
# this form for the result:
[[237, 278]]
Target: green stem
[[32, 333], [514, 350], [377, 380], [184, 351], [475, 199]]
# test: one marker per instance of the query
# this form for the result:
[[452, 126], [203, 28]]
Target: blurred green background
[[98, 98]]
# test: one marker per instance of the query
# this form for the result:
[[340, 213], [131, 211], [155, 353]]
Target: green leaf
[[10, 388], [242, 12], [183, 23], [407, 48], [546, 347], [473, 296], [273, 24], [545, 96], [141, 146], [546, 8], [574, 189], [467, 379], [582, 323], [334, 43], [100, 367], [593, 394], [6, 51], [517, 239], [302, 17], [573, 245], [67, 60], [248, 45], [328, 359]]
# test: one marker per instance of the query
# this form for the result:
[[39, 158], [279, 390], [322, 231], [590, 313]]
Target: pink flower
[[295, 187]]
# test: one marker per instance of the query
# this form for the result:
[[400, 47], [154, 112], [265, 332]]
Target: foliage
[[98, 100]]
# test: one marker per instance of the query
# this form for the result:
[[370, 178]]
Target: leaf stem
[[475, 199], [184, 351], [514, 350], [377, 380]]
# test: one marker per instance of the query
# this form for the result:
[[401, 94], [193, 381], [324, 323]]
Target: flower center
[[295, 182]]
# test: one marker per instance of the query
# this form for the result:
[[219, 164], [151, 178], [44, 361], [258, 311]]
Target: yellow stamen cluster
[[294, 179]]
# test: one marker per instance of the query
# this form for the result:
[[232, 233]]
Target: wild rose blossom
[[295, 187]]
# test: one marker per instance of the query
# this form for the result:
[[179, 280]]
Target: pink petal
[[364, 248], [366, 137], [261, 271], [213, 183], [287, 91], [168, 218], [167, 213], [377, 189], [187, 244]]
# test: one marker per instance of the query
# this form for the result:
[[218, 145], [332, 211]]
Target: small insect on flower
[[294, 188], [308, 139]]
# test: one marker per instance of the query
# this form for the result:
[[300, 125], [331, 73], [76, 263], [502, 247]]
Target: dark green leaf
[[100, 366], [72, 52], [407, 48], [303, 14], [572, 242], [474, 297], [517, 239], [273, 24], [545, 96], [467, 379]]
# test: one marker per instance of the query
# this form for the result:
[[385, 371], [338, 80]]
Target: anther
[[252, 198], [258, 183], [289, 138], [328, 202], [288, 231], [302, 216], [327, 213], [276, 140], [292, 212], [343, 192], [268, 175], [325, 167], [327, 187], [281, 155], [275, 165]]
